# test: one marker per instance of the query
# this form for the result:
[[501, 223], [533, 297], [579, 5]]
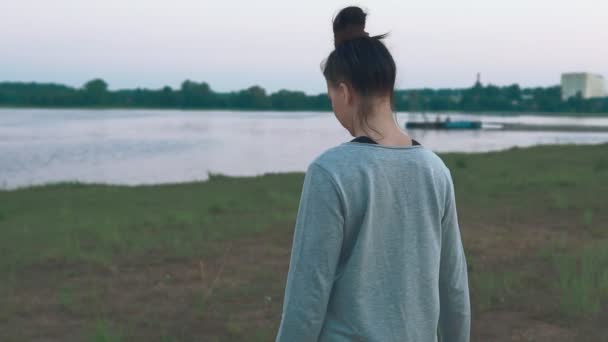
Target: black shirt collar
[[367, 140]]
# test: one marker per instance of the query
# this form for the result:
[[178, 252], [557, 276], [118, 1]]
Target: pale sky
[[279, 44]]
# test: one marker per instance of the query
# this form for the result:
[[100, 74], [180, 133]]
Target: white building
[[589, 85]]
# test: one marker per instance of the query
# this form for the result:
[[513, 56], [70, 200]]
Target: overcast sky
[[233, 44]]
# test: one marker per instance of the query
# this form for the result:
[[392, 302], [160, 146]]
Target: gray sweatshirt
[[377, 253]]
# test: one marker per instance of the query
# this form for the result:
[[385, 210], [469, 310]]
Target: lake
[[117, 146]]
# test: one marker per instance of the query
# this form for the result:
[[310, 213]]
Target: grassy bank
[[207, 260]]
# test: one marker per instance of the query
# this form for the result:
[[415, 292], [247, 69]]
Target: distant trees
[[492, 98], [194, 94], [254, 97], [191, 94], [95, 92], [37, 95]]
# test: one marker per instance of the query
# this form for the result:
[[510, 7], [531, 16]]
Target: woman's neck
[[382, 127]]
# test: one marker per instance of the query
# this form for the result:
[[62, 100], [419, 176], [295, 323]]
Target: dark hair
[[359, 60]]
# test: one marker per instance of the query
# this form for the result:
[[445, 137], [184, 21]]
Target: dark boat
[[463, 124]]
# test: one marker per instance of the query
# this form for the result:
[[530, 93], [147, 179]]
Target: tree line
[[194, 95]]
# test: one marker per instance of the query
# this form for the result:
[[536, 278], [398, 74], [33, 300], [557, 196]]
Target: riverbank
[[208, 260]]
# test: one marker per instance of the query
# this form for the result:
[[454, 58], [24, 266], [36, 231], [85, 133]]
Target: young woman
[[377, 253]]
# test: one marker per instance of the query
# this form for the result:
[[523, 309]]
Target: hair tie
[[349, 33]]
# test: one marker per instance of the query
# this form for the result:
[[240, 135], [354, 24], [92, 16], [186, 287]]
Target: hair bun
[[349, 24]]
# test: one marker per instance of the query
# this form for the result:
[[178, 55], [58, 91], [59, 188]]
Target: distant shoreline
[[477, 113], [479, 98]]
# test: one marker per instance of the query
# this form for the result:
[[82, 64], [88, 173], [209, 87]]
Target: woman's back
[[377, 253]]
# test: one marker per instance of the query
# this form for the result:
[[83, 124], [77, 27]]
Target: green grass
[[66, 297], [582, 278], [105, 332], [493, 288], [568, 176], [97, 223]]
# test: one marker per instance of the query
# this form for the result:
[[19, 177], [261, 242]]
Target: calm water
[[152, 146]]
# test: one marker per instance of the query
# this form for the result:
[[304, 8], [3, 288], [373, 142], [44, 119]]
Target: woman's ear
[[345, 93]]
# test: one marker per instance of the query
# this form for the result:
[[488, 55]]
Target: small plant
[[588, 218], [66, 298], [233, 328], [104, 333], [492, 288], [461, 163], [216, 176], [183, 217], [216, 209], [166, 338], [209, 286], [600, 165], [200, 301], [559, 201]]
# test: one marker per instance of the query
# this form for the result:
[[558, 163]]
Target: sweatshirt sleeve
[[317, 243], [455, 311]]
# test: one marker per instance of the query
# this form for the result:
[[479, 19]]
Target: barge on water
[[447, 124]]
